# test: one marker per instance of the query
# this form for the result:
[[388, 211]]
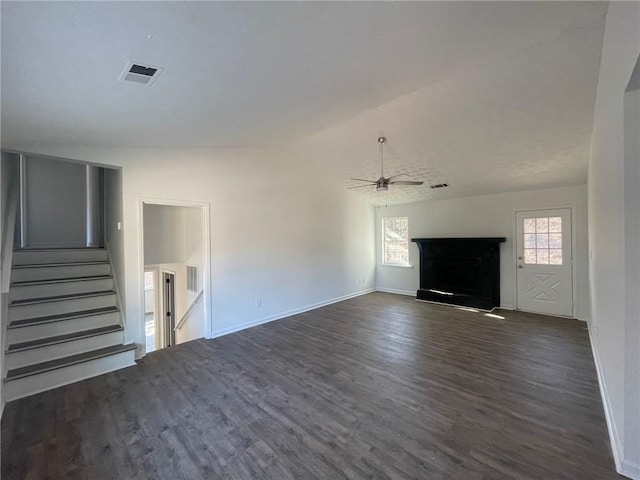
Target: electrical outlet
[[258, 302]]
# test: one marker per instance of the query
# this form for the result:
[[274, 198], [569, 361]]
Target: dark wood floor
[[380, 386]]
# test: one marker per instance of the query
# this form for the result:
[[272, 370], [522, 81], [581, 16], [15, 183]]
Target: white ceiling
[[485, 96]]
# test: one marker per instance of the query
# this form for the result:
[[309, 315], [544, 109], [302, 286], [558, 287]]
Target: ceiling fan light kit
[[382, 184]]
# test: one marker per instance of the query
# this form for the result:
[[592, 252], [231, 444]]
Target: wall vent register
[[192, 278]]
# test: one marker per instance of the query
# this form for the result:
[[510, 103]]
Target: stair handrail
[[189, 310]]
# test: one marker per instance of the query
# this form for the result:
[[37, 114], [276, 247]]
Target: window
[[395, 241], [543, 241]]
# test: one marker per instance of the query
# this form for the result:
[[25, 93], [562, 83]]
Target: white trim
[[574, 244], [206, 258], [506, 306], [395, 265], [397, 292], [296, 311], [23, 200], [614, 438]]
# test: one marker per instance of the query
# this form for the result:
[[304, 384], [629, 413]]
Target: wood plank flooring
[[376, 387]]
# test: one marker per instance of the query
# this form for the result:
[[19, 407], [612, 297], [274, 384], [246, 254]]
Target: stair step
[[60, 280], [18, 347], [38, 368], [39, 255], [61, 264], [28, 290], [58, 298], [61, 317], [58, 271]]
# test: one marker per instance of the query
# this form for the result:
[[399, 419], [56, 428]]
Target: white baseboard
[[507, 306], [614, 438], [296, 311], [398, 292]]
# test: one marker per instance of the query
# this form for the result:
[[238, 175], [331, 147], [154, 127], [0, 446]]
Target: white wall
[[276, 234], [610, 251], [485, 216]]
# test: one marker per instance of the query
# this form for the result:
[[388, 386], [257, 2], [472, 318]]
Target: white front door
[[544, 262]]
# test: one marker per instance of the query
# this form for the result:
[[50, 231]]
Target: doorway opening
[[175, 271]]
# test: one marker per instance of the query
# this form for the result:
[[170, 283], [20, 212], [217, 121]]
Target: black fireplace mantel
[[460, 271]]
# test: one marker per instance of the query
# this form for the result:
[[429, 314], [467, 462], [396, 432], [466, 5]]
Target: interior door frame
[[206, 254], [156, 306], [167, 333], [574, 266]]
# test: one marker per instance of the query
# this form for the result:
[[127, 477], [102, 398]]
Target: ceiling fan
[[383, 183]]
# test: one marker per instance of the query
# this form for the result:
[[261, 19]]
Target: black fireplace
[[460, 271]]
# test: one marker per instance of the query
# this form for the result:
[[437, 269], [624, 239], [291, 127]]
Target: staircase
[[64, 320]]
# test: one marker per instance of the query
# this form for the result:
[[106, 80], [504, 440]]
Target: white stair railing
[[189, 310]]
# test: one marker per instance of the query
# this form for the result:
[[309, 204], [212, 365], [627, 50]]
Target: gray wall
[[165, 234], [55, 203]]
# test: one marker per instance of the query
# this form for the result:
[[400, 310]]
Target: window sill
[[393, 265]]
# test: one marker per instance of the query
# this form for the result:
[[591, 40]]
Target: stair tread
[[61, 316], [60, 249], [55, 298], [26, 283], [43, 367], [41, 342], [61, 264]]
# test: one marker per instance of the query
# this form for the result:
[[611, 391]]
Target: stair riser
[[31, 257], [64, 288], [21, 312], [52, 329], [65, 271], [59, 350], [23, 387]]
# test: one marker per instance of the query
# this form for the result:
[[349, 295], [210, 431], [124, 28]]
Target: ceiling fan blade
[[399, 175], [360, 186], [405, 182], [361, 180]]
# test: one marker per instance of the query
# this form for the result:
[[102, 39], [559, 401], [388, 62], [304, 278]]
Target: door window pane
[[529, 225], [555, 256], [543, 241], [555, 224], [542, 225], [529, 240]]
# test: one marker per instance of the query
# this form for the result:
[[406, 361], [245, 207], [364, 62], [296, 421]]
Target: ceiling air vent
[[138, 73], [439, 185]]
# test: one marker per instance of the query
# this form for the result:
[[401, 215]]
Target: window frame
[[384, 243]]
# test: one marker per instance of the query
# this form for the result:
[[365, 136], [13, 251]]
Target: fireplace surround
[[460, 271]]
